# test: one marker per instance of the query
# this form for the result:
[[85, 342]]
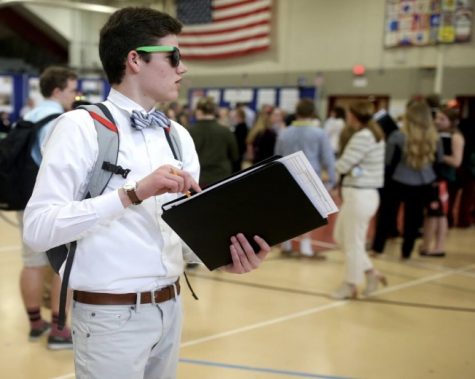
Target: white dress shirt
[[119, 249]]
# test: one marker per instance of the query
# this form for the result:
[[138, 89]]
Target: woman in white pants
[[361, 166]]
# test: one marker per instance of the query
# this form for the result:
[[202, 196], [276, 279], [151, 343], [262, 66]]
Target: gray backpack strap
[[175, 143], [108, 142], [105, 167]]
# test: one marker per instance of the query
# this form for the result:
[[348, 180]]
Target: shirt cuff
[[108, 206]]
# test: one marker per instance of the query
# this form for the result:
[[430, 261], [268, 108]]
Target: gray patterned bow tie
[[140, 121]]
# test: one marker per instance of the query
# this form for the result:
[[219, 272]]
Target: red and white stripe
[[239, 27]]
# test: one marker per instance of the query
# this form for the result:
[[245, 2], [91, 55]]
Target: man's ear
[[133, 61], [56, 92]]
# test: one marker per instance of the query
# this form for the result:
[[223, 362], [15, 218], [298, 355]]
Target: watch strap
[[133, 196]]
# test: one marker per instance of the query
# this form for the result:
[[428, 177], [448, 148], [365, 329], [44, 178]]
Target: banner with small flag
[[215, 29]]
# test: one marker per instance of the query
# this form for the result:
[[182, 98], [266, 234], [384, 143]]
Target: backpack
[[18, 170], [104, 168]]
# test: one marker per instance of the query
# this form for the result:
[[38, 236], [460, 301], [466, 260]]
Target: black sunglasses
[[175, 56]]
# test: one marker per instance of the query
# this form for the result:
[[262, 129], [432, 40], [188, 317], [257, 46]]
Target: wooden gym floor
[[279, 321]]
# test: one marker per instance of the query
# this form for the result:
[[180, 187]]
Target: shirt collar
[[125, 103], [301, 123], [53, 104]]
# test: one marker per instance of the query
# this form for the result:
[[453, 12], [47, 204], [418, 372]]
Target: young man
[[127, 310], [216, 146], [303, 135], [58, 87]]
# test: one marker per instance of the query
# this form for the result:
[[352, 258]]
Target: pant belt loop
[[137, 302], [152, 296], [175, 291]]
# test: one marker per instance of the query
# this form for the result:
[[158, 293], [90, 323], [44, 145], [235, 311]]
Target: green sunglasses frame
[[175, 57]]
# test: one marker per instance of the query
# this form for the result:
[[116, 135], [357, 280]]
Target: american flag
[[223, 28]]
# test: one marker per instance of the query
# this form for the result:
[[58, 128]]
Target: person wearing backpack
[[127, 311], [58, 87]]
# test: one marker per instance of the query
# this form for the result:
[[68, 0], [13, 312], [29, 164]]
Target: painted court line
[[264, 323], [293, 374], [259, 369], [310, 311], [431, 278], [322, 308]]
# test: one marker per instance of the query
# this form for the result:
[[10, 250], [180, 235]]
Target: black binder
[[266, 201]]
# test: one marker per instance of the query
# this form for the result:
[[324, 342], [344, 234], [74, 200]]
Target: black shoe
[[60, 342], [37, 333]]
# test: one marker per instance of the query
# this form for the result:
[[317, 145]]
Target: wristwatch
[[130, 188]]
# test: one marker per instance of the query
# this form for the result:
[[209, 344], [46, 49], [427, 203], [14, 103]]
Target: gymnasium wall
[[309, 36]]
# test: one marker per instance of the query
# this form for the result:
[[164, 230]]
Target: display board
[[93, 90], [283, 97], [427, 22]]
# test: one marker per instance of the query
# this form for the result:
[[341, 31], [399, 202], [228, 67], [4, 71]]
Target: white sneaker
[[306, 247], [286, 246]]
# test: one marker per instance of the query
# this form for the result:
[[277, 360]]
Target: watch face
[[130, 186]]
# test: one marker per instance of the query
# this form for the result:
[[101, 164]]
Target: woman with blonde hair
[[417, 144], [361, 167]]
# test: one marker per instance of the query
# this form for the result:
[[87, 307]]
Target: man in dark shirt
[[216, 146]]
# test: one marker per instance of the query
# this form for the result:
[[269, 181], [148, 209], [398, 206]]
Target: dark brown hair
[[305, 108], [127, 29], [55, 77], [363, 111], [207, 106]]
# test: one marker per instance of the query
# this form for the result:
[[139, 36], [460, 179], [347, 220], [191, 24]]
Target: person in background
[[261, 138], [387, 216], [58, 87], [215, 144], [417, 148], [386, 122], [224, 117], [127, 310], [334, 125], [5, 124], [170, 113], [361, 166], [183, 116], [241, 130], [29, 105], [441, 209], [466, 175], [303, 135], [277, 120], [249, 112]]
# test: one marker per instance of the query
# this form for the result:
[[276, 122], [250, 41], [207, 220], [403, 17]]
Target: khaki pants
[[127, 342], [359, 206]]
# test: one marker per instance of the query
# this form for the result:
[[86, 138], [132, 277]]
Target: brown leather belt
[[98, 298]]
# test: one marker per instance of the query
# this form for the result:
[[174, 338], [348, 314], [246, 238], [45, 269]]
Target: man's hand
[[165, 179], [243, 255]]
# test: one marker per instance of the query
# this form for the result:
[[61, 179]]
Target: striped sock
[[34, 315]]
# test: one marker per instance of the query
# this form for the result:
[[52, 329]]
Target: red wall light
[[359, 70]]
